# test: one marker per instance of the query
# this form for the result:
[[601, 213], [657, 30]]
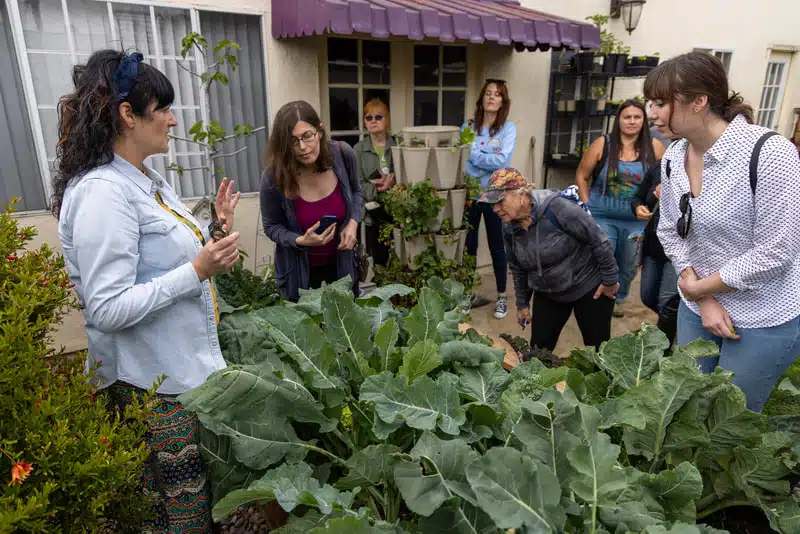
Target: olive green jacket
[[369, 163]]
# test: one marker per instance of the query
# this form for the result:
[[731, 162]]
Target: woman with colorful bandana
[[558, 255]]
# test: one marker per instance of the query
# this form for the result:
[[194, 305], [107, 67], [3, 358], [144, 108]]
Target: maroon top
[[310, 213]]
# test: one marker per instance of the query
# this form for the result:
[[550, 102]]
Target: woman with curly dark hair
[[141, 266]]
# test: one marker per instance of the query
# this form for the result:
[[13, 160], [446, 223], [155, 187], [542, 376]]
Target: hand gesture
[[217, 257], [523, 317], [608, 291], [716, 318], [347, 239], [312, 239], [657, 192], [688, 284], [226, 203], [642, 213]]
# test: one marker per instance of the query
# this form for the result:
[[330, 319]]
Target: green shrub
[[83, 465]]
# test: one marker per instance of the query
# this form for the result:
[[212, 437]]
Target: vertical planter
[[601, 105], [413, 247], [436, 224], [415, 162], [398, 245], [457, 199], [397, 161], [445, 168], [463, 155], [462, 246], [446, 246]]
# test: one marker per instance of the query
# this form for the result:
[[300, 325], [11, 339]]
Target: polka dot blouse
[[754, 243]]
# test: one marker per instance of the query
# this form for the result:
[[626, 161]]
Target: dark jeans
[[494, 234], [323, 273], [373, 245], [549, 318], [660, 293]]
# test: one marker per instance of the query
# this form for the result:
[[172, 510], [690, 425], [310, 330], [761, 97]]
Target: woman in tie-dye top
[[608, 176]]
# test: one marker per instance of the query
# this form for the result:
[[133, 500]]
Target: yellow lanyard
[[199, 235]]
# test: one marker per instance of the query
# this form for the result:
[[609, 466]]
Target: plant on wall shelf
[[598, 92], [413, 206]]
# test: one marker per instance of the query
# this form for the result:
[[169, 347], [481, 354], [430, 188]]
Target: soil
[[740, 520], [483, 318]]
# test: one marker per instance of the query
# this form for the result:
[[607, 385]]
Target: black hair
[[643, 144], [89, 120]]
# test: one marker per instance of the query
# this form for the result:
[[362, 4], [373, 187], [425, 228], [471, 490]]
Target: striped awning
[[476, 21]]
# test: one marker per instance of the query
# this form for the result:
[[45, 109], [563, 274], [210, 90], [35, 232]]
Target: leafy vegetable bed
[[361, 417]]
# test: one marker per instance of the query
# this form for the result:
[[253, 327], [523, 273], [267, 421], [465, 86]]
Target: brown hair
[[280, 159], [688, 76], [643, 144], [376, 105], [502, 114]]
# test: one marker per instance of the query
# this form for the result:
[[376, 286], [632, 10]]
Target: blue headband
[[125, 75]]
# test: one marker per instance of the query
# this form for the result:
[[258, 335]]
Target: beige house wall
[[296, 69]]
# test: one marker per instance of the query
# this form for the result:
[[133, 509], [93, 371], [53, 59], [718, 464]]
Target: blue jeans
[[494, 234], [659, 282], [619, 233], [757, 359]]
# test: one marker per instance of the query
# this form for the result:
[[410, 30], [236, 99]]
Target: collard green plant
[[357, 416], [413, 207]]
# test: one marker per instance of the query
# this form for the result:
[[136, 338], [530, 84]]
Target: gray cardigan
[[566, 262], [280, 225]]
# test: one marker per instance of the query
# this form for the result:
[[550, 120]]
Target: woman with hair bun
[[730, 223], [142, 266]]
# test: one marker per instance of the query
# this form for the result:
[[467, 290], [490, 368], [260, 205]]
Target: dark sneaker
[[618, 311], [478, 301], [501, 307]]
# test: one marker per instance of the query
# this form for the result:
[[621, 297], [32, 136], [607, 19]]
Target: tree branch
[[179, 138], [173, 169], [233, 136], [187, 69], [216, 156]]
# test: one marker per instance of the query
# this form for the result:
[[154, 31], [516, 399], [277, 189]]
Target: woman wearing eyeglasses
[[376, 172], [311, 202], [491, 150], [730, 223]]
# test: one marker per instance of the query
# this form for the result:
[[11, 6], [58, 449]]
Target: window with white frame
[[440, 84], [772, 92], [723, 55], [59, 34], [358, 71]]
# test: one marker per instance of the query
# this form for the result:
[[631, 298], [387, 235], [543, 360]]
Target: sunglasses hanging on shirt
[[685, 222]]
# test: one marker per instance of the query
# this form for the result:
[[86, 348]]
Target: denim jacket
[[146, 311], [489, 153]]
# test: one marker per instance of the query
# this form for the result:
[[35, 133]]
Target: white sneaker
[[501, 307]]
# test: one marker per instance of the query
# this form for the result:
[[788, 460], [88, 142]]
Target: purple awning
[[475, 21]]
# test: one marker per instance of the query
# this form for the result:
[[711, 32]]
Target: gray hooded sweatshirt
[[566, 262]]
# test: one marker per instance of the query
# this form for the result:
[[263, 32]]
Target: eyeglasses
[[685, 222], [305, 138], [378, 117]]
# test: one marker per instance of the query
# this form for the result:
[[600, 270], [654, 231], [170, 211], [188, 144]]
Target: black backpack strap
[[754, 160], [598, 167]]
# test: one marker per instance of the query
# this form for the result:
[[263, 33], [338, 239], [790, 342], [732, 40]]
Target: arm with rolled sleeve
[[580, 225], [522, 292], [273, 217], [106, 241], [669, 207], [776, 233], [491, 159]]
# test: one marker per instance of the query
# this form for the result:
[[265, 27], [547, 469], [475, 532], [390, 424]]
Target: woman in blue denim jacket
[[491, 150], [141, 266]]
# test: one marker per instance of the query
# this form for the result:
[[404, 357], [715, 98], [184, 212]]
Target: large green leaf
[[469, 354], [632, 358], [424, 404], [516, 491], [676, 490], [420, 360], [730, 424], [448, 328], [683, 528], [484, 384], [259, 444], [698, 348], [310, 301], [385, 346], [291, 486], [657, 400], [433, 472], [456, 516], [381, 313], [370, 466], [242, 339], [384, 293], [354, 525], [251, 392], [423, 321], [302, 339], [226, 472], [348, 328], [451, 291]]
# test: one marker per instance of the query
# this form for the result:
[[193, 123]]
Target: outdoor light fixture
[[629, 10]]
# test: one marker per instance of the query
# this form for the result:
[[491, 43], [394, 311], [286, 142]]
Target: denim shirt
[[147, 314]]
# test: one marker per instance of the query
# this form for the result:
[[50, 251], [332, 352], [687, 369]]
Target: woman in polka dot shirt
[[733, 241]]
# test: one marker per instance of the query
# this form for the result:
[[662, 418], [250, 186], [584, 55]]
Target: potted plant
[[446, 240], [465, 138], [397, 159], [435, 224], [457, 200], [638, 61], [555, 154], [607, 42], [599, 94], [571, 105], [444, 166], [652, 61], [584, 61], [418, 209], [612, 106], [621, 50], [415, 157]]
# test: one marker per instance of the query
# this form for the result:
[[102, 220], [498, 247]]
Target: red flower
[[104, 440], [19, 472], [45, 283], [12, 257]]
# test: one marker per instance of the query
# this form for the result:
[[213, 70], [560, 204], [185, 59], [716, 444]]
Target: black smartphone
[[325, 222]]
